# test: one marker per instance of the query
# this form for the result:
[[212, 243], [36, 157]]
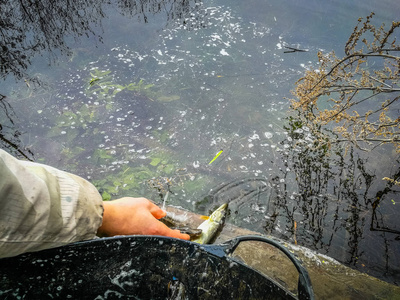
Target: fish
[[211, 226]]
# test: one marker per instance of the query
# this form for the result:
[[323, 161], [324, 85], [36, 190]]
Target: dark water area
[[139, 99]]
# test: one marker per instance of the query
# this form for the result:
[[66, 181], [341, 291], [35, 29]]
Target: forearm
[[42, 207]]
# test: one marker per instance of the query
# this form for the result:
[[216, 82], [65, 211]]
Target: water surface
[[140, 101]]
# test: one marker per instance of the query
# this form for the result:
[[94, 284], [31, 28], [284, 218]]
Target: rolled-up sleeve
[[42, 207]]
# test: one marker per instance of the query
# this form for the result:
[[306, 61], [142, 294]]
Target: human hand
[[128, 216]]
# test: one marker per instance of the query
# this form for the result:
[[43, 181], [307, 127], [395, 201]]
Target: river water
[[140, 98]]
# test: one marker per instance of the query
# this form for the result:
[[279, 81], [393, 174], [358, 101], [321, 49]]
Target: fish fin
[[204, 217]]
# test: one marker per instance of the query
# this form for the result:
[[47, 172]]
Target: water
[[139, 102]]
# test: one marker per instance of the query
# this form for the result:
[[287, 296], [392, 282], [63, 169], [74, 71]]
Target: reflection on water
[[32, 27], [143, 114], [9, 135]]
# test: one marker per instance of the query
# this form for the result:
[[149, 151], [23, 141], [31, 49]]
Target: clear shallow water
[[147, 106]]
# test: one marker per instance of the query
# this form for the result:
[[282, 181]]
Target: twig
[[292, 50]]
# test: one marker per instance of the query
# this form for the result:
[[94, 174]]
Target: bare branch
[[333, 94]]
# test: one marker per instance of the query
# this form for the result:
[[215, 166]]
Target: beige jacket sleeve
[[42, 207]]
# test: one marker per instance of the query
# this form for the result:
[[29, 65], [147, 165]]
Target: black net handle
[[305, 289]]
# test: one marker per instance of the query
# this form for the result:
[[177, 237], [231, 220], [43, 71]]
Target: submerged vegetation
[[102, 85]]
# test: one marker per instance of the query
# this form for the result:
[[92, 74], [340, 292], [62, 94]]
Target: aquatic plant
[[123, 183], [102, 85], [152, 180]]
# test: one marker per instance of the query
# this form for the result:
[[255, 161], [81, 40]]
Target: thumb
[[157, 212]]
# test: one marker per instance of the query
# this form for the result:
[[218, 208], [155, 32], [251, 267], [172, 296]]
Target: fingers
[[157, 212], [164, 230], [177, 234], [129, 215]]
